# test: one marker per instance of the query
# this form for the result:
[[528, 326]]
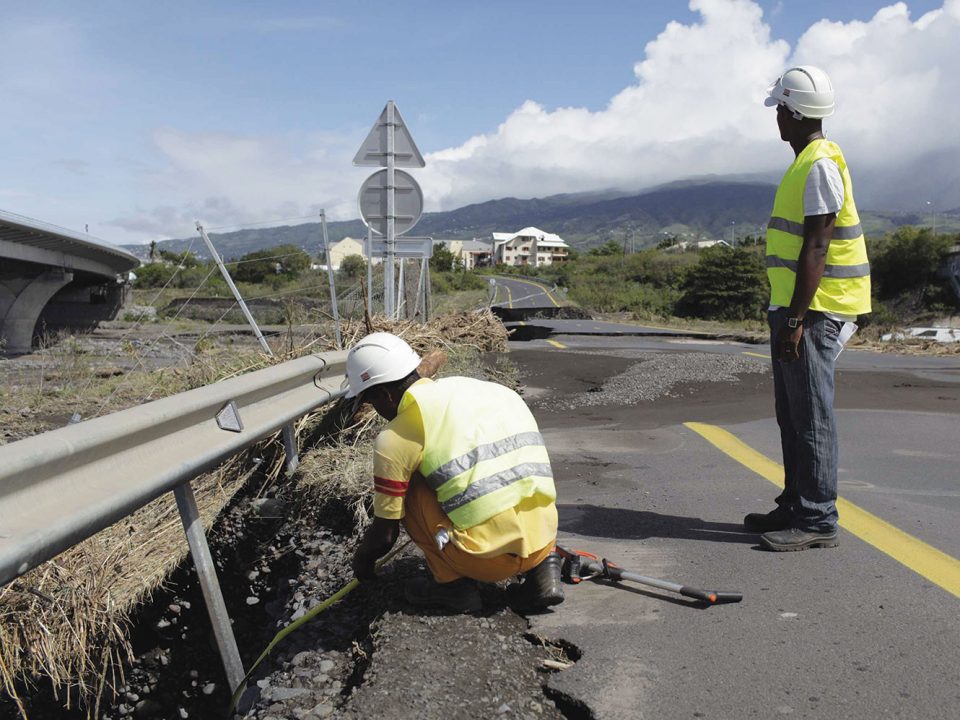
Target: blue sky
[[136, 117]]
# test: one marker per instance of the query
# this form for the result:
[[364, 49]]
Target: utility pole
[[934, 209]]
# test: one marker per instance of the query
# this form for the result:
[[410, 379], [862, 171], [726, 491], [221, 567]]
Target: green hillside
[[707, 210]]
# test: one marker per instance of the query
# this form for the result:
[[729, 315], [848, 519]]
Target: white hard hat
[[378, 358], [805, 90]]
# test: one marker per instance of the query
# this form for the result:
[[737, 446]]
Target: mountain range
[[707, 209]]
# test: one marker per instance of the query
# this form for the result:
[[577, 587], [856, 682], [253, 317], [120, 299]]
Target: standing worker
[[819, 283], [463, 465]]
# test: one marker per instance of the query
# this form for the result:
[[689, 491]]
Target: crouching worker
[[463, 466]]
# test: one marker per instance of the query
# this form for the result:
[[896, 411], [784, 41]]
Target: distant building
[[343, 249], [683, 245], [530, 246], [472, 253]]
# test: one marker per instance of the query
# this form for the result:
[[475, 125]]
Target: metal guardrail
[[60, 487]]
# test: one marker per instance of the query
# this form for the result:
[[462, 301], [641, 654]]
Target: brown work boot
[[540, 588], [460, 596]]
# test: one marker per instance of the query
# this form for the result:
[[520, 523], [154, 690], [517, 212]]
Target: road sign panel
[[373, 151], [409, 247], [408, 203]]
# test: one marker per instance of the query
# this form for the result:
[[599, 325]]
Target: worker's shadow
[[621, 524]]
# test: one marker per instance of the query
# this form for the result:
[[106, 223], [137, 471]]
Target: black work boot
[[541, 586], [776, 519], [793, 539]]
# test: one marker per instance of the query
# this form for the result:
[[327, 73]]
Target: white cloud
[[223, 179], [694, 109]]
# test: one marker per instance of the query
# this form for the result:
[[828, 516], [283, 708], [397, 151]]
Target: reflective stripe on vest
[[483, 453], [468, 460], [839, 233], [829, 271], [845, 285], [487, 485]]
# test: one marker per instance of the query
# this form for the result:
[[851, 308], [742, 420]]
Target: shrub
[[285, 262], [907, 261], [353, 266], [726, 284]]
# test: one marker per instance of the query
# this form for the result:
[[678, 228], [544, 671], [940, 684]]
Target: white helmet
[[805, 90], [378, 358]]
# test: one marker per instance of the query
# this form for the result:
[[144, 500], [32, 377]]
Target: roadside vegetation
[[728, 285], [65, 627]]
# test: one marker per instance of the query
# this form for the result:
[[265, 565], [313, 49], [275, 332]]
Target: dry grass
[[67, 619]]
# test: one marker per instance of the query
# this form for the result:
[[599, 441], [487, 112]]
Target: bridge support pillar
[[20, 308]]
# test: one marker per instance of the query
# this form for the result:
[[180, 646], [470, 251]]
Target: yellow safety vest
[[482, 450], [845, 286]]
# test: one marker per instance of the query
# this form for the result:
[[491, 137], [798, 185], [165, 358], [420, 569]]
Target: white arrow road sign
[[373, 151], [408, 205]]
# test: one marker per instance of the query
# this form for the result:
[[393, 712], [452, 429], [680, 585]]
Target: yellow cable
[[287, 629]]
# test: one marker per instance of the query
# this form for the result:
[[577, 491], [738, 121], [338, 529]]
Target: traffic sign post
[[407, 247], [407, 199], [390, 145]]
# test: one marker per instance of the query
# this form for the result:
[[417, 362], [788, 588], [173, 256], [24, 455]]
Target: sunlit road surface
[[868, 629]]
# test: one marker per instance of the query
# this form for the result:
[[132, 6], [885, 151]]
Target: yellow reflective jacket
[[482, 450], [845, 286]]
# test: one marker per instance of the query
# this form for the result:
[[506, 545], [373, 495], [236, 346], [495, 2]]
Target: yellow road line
[[539, 287], [658, 327], [753, 354], [935, 565], [522, 322], [509, 297], [557, 344]]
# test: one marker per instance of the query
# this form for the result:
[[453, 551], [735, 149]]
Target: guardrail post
[[212, 595]]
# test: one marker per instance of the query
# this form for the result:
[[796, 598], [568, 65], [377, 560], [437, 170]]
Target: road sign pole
[[390, 194], [391, 203], [369, 272], [333, 285], [401, 290], [427, 293]]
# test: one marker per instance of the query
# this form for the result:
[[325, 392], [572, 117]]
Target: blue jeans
[[803, 390]]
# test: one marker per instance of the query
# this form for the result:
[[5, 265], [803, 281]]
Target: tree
[[284, 262], [185, 259], [353, 266], [907, 261], [610, 247], [442, 259], [153, 275], [725, 284]]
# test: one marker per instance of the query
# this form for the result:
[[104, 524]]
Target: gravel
[[657, 375], [374, 655]]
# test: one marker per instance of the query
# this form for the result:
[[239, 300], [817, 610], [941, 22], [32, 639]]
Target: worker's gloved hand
[[377, 541], [364, 563]]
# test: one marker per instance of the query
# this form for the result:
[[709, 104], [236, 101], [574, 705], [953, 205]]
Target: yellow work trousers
[[424, 517]]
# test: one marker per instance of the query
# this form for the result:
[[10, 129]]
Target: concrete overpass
[[54, 279]]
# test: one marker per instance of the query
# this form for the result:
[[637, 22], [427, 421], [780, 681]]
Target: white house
[[530, 246]]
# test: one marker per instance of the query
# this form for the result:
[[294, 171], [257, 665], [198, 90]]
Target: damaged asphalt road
[[847, 632]]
